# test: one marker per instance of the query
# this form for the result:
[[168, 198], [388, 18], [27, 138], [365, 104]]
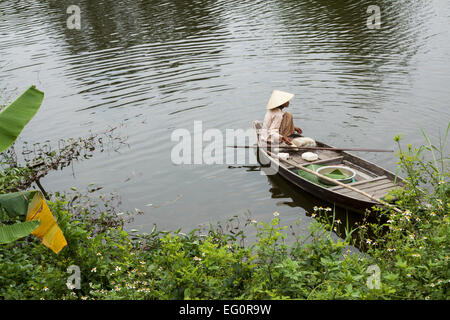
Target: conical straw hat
[[278, 98]]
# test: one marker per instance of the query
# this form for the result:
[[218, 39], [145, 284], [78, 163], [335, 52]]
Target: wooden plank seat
[[377, 187], [366, 174], [357, 184]]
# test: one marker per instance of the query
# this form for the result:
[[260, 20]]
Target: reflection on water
[[160, 65], [291, 197]]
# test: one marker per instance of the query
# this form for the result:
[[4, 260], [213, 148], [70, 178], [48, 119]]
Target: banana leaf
[[32, 206], [16, 204], [10, 233], [14, 117]]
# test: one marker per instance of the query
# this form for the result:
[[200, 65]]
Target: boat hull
[[342, 201], [354, 202]]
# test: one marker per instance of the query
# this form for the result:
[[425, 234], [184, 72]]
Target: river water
[[158, 66]]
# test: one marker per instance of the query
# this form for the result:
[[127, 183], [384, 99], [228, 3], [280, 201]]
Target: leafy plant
[[30, 204], [14, 117], [10, 233]]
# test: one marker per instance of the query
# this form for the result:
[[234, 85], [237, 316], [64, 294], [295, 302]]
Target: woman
[[278, 126]]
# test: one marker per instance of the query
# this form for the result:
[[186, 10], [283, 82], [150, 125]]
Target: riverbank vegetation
[[410, 250], [402, 255]]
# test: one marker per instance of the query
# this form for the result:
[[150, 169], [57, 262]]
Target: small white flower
[[118, 268], [276, 214], [197, 258], [94, 269]]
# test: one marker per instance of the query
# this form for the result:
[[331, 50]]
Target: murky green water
[[160, 65]]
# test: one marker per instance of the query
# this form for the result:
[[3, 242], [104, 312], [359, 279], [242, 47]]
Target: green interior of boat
[[336, 174]]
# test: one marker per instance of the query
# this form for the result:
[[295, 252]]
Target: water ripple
[[160, 65]]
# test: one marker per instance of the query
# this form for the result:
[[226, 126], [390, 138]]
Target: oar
[[337, 182], [318, 148]]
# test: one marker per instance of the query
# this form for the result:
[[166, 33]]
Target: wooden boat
[[370, 178]]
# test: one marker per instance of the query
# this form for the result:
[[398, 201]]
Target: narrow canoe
[[370, 178]]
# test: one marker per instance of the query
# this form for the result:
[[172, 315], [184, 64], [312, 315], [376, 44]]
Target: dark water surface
[[156, 66]]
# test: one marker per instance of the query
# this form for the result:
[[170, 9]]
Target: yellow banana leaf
[[48, 231]]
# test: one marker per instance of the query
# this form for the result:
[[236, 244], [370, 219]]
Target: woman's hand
[[299, 131], [286, 139]]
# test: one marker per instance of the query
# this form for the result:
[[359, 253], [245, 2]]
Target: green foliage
[[14, 117], [14, 207], [10, 233], [411, 250], [16, 204]]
